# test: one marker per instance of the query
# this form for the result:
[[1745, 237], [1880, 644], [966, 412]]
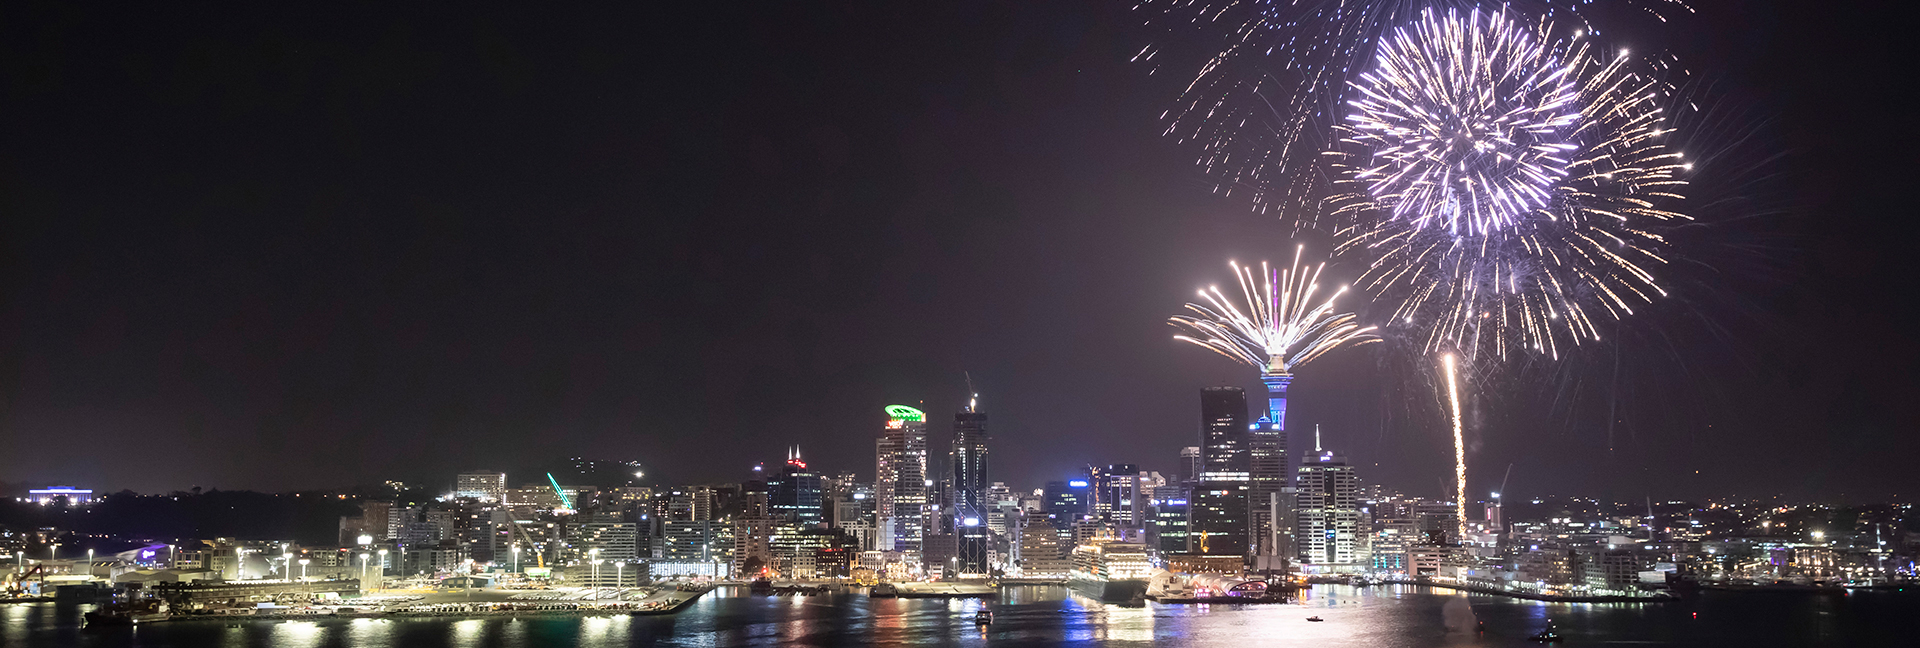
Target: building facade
[[900, 483], [1219, 504], [1328, 511]]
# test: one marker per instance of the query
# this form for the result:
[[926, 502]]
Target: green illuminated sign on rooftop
[[904, 413]]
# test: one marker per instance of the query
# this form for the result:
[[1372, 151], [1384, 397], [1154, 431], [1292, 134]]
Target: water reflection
[[298, 634], [1399, 616]]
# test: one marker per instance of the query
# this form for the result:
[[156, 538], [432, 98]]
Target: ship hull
[[1114, 591]]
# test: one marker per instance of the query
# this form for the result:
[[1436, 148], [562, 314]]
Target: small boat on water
[[1546, 636], [983, 617], [1315, 619], [129, 613]]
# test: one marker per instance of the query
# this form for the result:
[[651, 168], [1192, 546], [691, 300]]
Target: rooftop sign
[[904, 413]]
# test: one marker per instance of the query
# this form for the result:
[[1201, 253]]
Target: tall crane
[[565, 502]]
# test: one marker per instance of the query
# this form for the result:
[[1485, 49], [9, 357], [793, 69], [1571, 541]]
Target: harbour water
[[1387, 616]]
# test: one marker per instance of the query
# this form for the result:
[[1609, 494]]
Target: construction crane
[[566, 503]]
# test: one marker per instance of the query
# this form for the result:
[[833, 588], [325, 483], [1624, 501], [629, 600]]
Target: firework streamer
[[1280, 327], [1459, 448]]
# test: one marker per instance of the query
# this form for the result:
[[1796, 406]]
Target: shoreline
[[676, 607], [1548, 598]]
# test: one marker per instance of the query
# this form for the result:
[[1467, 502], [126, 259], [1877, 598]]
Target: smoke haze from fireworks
[[1280, 328], [1505, 186]]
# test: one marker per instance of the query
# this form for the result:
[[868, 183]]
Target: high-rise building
[[970, 491], [753, 525], [483, 485], [970, 482], [616, 539], [1067, 500], [1043, 555], [1267, 461], [1219, 506], [1118, 487], [1168, 519], [796, 494], [900, 484], [692, 503], [1003, 509], [1190, 464], [1328, 511]]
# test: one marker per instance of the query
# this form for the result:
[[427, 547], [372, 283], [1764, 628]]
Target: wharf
[[1531, 596], [946, 590], [664, 601], [1224, 600]]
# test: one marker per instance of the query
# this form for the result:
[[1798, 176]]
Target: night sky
[[328, 246]]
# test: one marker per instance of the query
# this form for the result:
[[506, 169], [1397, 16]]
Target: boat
[[761, 586], [1110, 571], [129, 613], [1545, 636], [883, 590], [1315, 619], [983, 617]]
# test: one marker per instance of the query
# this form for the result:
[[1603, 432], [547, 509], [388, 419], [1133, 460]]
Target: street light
[[303, 569], [240, 563], [594, 554], [596, 580], [89, 564], [363, 569], [516, 557], [286, 558], [383, 569]]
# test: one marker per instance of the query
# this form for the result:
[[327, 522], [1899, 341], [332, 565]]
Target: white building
[[1328, 513]]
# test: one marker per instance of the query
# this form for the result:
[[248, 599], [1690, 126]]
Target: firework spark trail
[[1280, 326], [1504, 185], [1269, 74], [1459, 448]]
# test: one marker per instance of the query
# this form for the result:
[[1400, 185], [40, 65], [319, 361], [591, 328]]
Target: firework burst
[[1506, 186], [1280, 327], [1271, 76]]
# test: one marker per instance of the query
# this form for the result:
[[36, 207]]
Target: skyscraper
[[796, 494], [1067, 500], [1168, 517], [970, 486], [970, 482], [1190, 464], [1219, 503], [1119, 486], [1328, 510], [1267, 461], [900, 484]]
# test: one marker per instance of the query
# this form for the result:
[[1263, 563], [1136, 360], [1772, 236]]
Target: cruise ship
[[1111, 571]]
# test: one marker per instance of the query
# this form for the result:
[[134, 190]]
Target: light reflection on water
[[1398, 616]]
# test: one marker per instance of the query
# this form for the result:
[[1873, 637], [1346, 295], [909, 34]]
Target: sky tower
[[1277, 327]]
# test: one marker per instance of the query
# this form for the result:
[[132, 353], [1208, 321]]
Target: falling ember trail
[[1459, 450]]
